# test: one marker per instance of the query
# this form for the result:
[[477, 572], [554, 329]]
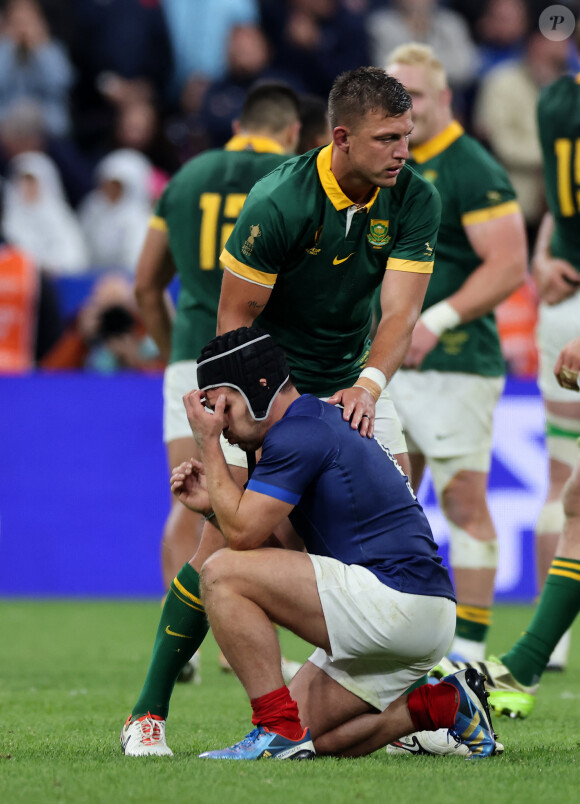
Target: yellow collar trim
[[577, 79], [263, 145], [330, 185], [439, 143]]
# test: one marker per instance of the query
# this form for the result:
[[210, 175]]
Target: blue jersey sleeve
[[294, 453]]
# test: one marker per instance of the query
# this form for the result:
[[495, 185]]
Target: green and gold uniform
[[559, 127], [473, 188], [199, 208], [324, 257]]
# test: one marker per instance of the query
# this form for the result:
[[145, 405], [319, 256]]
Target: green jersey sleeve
[[416, 242]]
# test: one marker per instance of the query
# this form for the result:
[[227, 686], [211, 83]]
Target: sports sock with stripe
[[278, 712], [471, 631], [557, 608], [181, 631]]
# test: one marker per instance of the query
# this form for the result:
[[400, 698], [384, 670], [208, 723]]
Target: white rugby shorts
[[382, 641]]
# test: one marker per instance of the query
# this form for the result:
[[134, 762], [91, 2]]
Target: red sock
[[278, 712], [433, 706]]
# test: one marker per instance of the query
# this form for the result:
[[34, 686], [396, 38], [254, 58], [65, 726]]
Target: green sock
[[181, 631], [472, 622], [556, 610]]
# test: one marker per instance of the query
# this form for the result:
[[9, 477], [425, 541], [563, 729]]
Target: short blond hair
[[414, 54]]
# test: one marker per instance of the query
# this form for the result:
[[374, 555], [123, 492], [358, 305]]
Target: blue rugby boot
[[473, 726], [261, 743]]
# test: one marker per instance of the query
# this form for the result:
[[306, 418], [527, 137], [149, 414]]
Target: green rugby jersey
[[559, 127], [198, 209], [324, 257], [473, 188]]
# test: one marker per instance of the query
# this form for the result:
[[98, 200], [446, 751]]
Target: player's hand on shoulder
[[555, 279], [358, 408]]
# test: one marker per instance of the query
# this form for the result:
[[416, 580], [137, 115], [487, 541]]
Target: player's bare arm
[[246, 518], [155, 270], [555, 279], [402, 295], [241, 302], [500, 243]]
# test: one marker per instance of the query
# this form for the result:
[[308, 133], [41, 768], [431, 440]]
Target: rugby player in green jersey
[[192, 221], [320, 234], [454, 370], [556, 269]]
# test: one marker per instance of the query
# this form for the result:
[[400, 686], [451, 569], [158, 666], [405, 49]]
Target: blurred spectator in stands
[[106, 335], [114, 217], [249, 61], [505, 118], [314, 126], [30, 321], [38, 218], [23, 130], [501, 29], [33, 66], [122, 52], [199, 32], [426, 21], [138, 126], [316, 39]]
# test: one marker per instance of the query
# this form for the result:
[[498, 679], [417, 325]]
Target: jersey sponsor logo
[[428, 250], [493, 196], [378, 235], [453, 342], [174, 633], [248, 246], [336, 261]]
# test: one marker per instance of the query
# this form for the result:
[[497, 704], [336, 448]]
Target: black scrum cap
[[248, 360]]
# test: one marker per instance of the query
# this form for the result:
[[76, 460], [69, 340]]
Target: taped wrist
[[440, 317]]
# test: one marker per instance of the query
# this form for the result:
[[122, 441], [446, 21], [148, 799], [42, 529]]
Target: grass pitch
[[70, 672]]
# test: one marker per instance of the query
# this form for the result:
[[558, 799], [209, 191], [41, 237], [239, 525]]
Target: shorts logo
[[248, 246], [379, 233]]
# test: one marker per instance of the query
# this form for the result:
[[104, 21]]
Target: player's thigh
[[323, 703], [447, 414], [281, 582]]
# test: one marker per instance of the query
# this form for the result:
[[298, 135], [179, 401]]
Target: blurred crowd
[[101, 102]]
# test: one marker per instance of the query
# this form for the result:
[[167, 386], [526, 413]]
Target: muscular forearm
[[224, 495], [391, 342], [487, 287]]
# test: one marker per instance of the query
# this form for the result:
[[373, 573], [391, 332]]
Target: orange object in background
[[19, 290], [516, 320]]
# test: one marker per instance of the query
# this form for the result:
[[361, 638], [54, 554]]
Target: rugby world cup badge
[[248, 246], [378, 235]]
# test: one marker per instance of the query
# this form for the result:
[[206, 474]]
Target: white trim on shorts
[[382, 641]]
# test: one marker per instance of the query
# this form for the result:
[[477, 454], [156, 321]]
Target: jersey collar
[[263, 145], [330, 185], [439, 143], [577, 79]]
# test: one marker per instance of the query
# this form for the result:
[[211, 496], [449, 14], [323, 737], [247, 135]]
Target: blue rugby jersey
[[352, 500]]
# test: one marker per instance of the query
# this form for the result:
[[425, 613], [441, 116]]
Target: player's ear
[[340, 138]]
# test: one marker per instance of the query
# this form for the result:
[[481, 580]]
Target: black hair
[[271, 105]]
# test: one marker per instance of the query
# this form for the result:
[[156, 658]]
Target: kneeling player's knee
[[215, 569]]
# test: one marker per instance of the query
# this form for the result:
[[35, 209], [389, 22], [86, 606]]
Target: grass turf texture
[[70, 672]]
